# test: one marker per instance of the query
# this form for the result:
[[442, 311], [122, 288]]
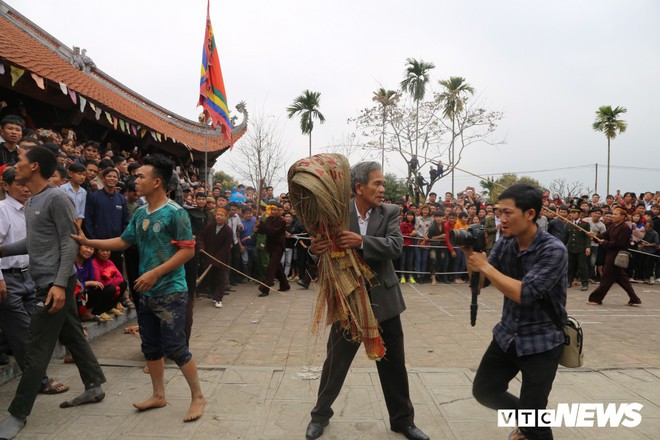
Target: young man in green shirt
[[161, 230]]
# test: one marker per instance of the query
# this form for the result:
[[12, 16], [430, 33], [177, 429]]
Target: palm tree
[[452, 96], [607, 122], [307, 106], [414, 82], [386, 98]]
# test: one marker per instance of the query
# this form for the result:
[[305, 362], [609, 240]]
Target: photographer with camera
[[529, 267]]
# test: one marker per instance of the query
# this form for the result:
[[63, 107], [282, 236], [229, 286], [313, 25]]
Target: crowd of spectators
[[264, 239], [428, 255]]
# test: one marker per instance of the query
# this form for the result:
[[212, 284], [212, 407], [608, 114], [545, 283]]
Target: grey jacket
[[381, 245]]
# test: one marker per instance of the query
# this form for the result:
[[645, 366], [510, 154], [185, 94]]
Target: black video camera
[[474, 237]]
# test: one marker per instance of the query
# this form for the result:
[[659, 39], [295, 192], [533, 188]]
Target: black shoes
[[315, 430], [262, 294], [585, 287], [302, 284], [411, 432]]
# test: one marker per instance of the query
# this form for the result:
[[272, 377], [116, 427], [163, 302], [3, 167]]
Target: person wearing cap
[[274, 227], [217, 240], [210, 207], [578, 245]]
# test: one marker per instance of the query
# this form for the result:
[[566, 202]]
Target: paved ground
[[259, 366]]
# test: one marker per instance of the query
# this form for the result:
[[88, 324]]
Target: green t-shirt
[[153, 233]]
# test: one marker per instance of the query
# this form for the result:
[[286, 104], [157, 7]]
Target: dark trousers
[[44, 331], [117, 257], [648, 264], [577, 265], [15, 312], [612, 274], [438, 261], [235, 262], [406, 261], [191, 267], [132, 257], [102, 300], [498, 368], [218, 282], [391, 371], [275, 270]]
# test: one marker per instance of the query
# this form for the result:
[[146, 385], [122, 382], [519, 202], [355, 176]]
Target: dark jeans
[[498, 368], [15, 312], [578, 266], [406, 261], [162, 321], [438, 263], [391, 372], [44, 331], [235, 262]]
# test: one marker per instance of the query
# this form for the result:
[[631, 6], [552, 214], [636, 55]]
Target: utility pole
[[596, 182]]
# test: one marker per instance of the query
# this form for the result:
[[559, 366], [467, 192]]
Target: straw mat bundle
[[319, 190]]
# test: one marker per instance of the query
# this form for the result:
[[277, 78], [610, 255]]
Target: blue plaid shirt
[[542, 269]]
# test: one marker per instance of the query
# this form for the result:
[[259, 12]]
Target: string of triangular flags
[[127, 127]]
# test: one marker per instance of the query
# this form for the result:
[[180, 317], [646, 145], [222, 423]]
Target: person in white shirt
[[73, 188]]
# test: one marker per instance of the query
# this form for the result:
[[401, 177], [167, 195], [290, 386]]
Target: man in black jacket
[[374, 229]]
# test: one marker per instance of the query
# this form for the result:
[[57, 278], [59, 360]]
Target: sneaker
[[218, 304], [412, 281], [584, 287], [403, 280]]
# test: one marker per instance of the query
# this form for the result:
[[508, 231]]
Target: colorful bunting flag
[[212, 95], [64, 88], [39, 80], [2, 69], [73, 96], [16, 74], [83, 102]]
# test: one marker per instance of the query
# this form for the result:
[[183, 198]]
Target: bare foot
[[145, 370], [151, 403], [196, 409]]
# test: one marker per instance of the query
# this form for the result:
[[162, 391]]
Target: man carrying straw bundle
[[373, 230]]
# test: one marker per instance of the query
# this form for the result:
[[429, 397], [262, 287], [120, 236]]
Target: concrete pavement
[[259, 367]]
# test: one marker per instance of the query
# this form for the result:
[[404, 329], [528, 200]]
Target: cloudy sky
[[547, 65]]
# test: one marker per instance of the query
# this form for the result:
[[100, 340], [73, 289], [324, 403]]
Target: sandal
[[106, 317], [53, 387], [132, 330]]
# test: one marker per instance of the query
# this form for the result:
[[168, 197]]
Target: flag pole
[[206, 156]]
